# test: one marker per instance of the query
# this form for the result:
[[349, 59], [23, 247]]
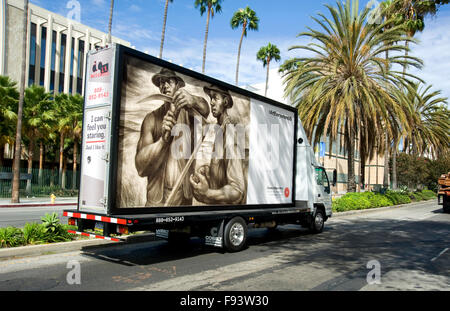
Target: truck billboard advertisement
[[187, 141], [96, 129]]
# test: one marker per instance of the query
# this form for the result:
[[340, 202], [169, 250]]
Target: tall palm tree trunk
[[406, 55], [206, 38], [267, 77], [351, 185], [2, 153], [111, 10], [61, 159], [75, 154], [41, 162], [394, 165], [30, 165], [17, 150], [163, 35], [386, 162], [63, 175], [239, 52]]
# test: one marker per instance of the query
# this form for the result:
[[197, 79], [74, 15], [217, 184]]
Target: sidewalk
[[41, 201]]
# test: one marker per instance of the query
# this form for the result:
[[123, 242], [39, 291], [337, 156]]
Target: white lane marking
[[440, 254]]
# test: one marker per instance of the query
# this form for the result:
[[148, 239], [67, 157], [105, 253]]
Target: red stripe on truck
[[97, 218]]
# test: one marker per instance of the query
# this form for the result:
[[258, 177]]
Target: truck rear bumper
[[95, 236]]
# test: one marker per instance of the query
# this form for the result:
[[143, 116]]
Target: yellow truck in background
[[444, 192]]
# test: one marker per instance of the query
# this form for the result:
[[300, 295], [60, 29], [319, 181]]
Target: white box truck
[[172, 151]]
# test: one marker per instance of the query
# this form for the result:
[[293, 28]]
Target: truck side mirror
[[334, 177]]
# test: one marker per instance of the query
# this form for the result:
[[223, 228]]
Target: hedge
[[367, 200]]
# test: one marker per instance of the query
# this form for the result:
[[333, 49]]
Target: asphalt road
[[403, 248], [19, 216]]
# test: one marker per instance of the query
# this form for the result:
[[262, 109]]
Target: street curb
[[36, 205], [64, 247], [378, 209]]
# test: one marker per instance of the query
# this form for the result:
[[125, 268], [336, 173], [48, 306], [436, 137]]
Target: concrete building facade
[[57, 47]]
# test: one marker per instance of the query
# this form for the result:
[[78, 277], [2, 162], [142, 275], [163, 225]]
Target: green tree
[[266, 54], [62, 108], [74, 120], [39, 120], [212, 7], [346, 87], [248, 20], [163, 35], [429, 121], [8, 117], [411, 14]]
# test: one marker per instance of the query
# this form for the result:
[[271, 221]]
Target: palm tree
[[164, 27], [248, 20], [430, 128], [266, 54], [411, 14], [70, 112], [73, 121], [39, 117], [18, 146], [111, 11], [62, 105], [211, 7], [346, 87], [9, 97]]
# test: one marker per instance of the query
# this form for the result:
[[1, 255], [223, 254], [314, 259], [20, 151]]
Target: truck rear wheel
[[235, 234]]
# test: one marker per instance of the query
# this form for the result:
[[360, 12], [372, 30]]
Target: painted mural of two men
[[221, 182]]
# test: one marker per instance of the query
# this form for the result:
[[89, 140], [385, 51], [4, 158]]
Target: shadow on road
[[345, 246]]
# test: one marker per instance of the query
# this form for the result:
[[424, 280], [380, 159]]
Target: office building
[[57, 47]]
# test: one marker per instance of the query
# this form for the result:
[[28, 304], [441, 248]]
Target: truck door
[[323, 189]]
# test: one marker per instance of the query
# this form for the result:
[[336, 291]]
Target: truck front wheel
[[235, 234], [317, 221]]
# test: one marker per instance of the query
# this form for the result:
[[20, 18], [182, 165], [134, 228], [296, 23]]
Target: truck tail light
[[122, 229], [72, 221]]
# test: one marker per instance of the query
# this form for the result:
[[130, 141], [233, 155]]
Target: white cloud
[[99, 2], [434, 50]]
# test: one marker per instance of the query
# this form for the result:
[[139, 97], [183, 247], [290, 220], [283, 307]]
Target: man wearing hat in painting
[[222, 181], [154, 158]]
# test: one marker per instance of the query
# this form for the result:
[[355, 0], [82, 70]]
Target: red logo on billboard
[[99, 70], [286, 192]]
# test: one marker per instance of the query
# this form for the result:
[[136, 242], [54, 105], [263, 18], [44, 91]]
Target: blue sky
[[140, 22]]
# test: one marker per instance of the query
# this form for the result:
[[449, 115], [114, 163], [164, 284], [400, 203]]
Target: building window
[[31, 73], [63, 53], [33, 45], [43, 47], [53, 50]]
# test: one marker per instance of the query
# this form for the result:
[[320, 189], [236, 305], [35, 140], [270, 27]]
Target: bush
[[53, 230], [50, 231], [33, 233], [428, 194], [398, 197], [365, 200], [11, 237], [351, 201]]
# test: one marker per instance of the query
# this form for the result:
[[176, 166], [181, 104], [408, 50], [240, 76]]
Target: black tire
[[446, 204], [235, 235], [317, 222]]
